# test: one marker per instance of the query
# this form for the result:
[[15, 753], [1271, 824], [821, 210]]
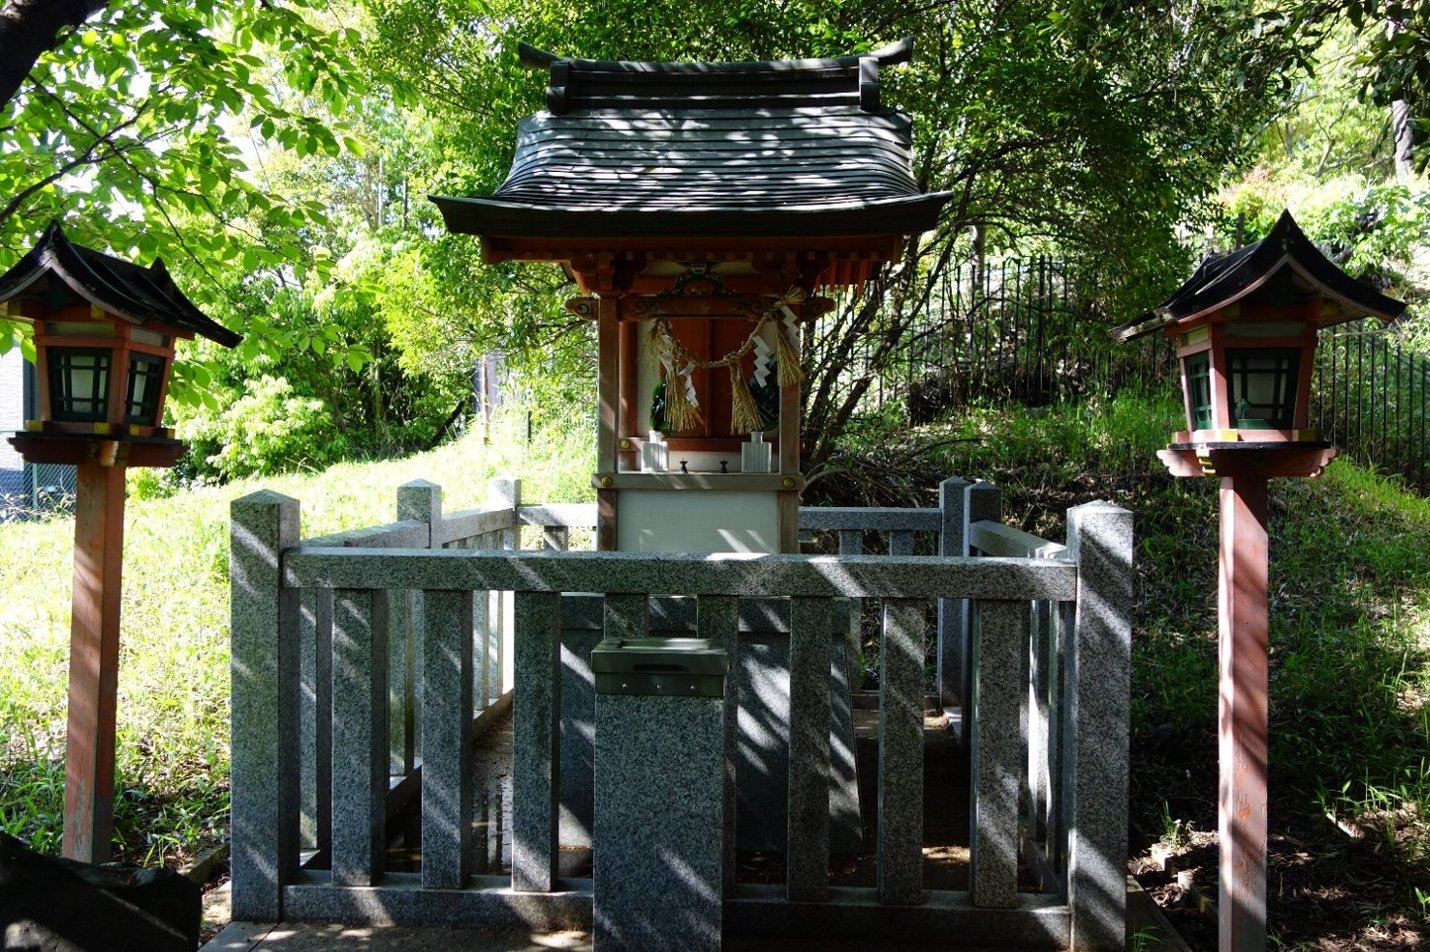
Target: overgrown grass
[[172, 770]]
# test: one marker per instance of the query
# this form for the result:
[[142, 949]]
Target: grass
[[1350, 638], [171, 788]]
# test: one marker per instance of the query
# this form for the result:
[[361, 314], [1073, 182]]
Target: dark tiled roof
[[60, 270], [1284, 263], [707, 149]]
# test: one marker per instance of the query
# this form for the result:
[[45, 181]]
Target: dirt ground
[[1331, 886]]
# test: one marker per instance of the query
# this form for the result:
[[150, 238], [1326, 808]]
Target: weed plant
[[171, 787]]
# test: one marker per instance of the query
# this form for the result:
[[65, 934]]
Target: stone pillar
[[265, 671], [995, 749], [659, 819], [447, 735], [951, 542], [536, 742], [901, 753], [962, 504], [419, 501], [1099, 684]]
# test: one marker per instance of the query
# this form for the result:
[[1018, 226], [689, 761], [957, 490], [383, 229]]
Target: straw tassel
[[744, 415], [790, 373], [680, 413]]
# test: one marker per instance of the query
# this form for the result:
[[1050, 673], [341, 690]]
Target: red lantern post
[[1245, 326], [104, 339]]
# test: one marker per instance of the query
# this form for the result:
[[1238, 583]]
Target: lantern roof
[[1281, 270], [59, 273], [773, 149]]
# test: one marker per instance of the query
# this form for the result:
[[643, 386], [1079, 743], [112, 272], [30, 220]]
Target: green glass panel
[[145, 378], [1199, 390], [1263, 387]]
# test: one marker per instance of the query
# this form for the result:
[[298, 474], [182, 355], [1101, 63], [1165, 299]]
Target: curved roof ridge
[[131, 291], [1226, 279]]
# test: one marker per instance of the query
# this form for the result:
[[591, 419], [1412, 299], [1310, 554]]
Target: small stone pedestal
[[659, 802]]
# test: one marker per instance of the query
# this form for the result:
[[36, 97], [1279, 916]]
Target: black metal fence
[[1370, 400], [1036, 333], [1031, 332]]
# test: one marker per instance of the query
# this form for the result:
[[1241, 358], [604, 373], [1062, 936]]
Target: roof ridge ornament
[[584, 84]]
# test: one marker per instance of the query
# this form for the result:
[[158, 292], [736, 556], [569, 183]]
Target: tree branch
[[30, 28]]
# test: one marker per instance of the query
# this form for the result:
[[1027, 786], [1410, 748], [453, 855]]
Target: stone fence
[[364, 664]]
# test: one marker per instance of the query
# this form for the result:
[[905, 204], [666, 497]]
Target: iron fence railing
[[1035, 333], [1370, 400], [1032, 332]]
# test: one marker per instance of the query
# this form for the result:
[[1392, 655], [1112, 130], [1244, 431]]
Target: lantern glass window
[[1198, 370], [146, 377], [79, 384], [1263, 387]]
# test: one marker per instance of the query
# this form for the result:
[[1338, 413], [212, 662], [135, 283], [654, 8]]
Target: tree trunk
[[29, 28], [1402, 133]]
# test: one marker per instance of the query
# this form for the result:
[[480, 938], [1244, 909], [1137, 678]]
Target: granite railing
[[370, 656]]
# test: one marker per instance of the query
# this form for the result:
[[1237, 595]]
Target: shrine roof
[[1283, 268], [60, 273], [765, 149]]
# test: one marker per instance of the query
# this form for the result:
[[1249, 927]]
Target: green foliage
[[1374, 230], [267, 429], [1394, 61], [129, 130]]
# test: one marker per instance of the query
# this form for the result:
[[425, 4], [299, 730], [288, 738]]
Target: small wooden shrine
[[701, 208]]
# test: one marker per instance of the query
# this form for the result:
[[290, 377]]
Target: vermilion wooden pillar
[[1243, 469], [1242, 712], [94, 661]]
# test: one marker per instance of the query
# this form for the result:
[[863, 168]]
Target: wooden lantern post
[[104, 339], [1245, 326]]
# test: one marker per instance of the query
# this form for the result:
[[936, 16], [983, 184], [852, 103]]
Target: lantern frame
[[98, 316], [1212, 351]]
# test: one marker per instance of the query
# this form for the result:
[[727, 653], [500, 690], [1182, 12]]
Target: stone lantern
[[105, 330], [1245, 326]]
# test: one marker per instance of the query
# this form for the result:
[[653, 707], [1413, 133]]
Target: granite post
[[316, 717], [418, 501], [536, 729], [360, 725], [995, 750], [264, 667], [447, 739], [1099, 678], [807, 863], [717, 620], [503, 493], [952, 542], [901, 753], [659, 812]]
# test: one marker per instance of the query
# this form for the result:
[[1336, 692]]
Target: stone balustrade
[[364, 663]]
